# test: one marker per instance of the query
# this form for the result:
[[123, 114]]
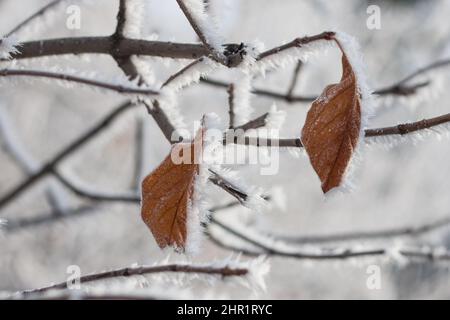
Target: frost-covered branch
[[72, 78], [296, 43], [129, 47], [223, 272], [182, 72], [195, 13], [275, 247], [400, 129]]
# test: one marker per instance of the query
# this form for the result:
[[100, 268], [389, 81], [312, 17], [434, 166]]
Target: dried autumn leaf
[[168, 194], [332, 128]]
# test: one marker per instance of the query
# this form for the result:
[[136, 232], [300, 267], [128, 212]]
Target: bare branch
[[16, 149], [63, 154], [294, 80], [93, 195]]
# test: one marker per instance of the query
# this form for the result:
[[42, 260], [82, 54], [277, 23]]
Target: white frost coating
[[145, 70], [120, 81], [394, 254], [254, 201], [198, 213], [388, 142], [275, 118], [8, 47], [208, 28], [258, 269], [278, 198], [135, 16], [224, 14], [202, 68], [290, 56], [353, 53], [242, 96], [168, 94], [243, 85]]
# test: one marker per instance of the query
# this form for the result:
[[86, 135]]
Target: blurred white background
[[403, 184]]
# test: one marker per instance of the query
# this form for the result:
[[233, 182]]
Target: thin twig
[[294, 79], [143, 270], [401, 86], [181, 72], [232, 117], [45, 218], [297, 43], [93, 195], [76, 79], [367, 235]]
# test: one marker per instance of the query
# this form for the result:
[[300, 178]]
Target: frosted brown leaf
[[332, 128], [167, 194]]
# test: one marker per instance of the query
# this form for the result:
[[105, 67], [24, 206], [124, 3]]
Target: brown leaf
[[167, 194], [331, 131]]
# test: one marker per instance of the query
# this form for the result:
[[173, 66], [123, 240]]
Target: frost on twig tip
[[202, 24], [8, 47]]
